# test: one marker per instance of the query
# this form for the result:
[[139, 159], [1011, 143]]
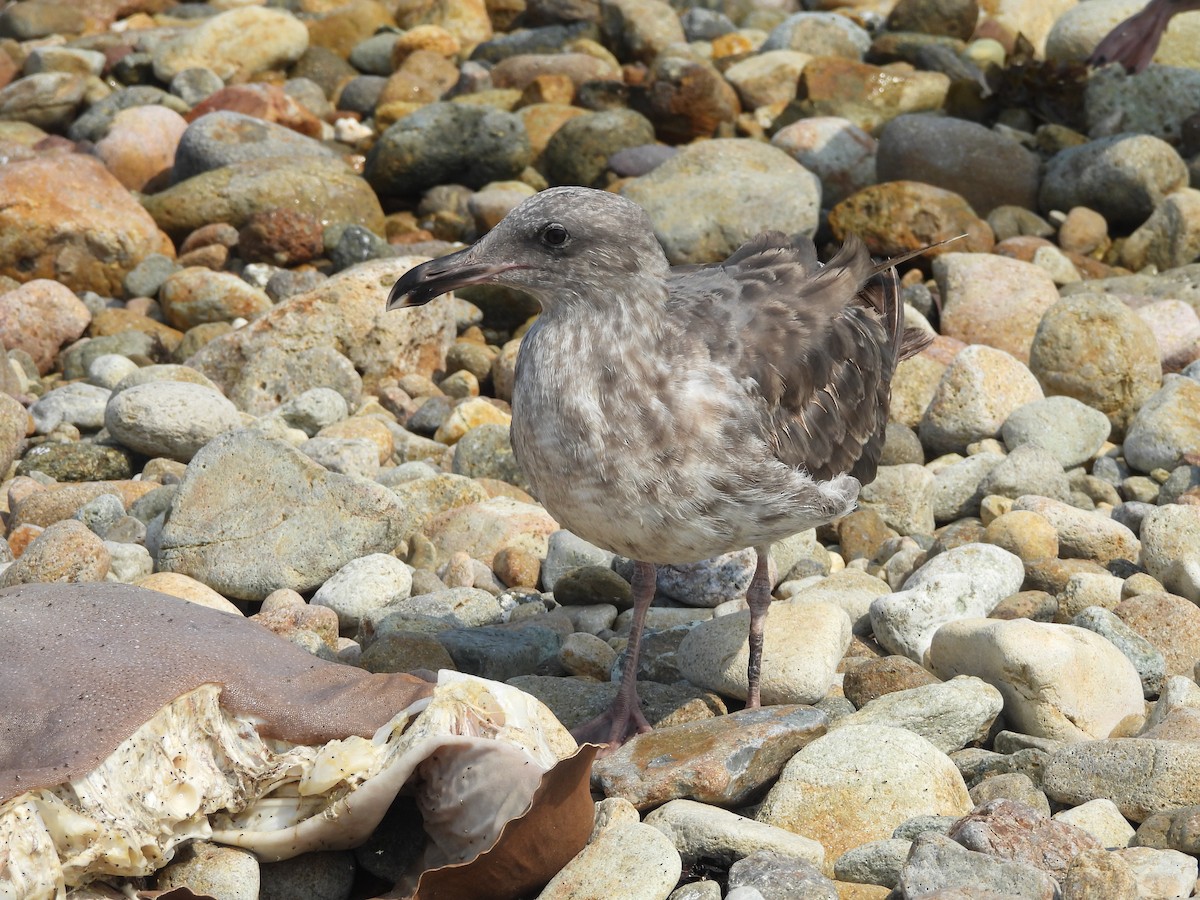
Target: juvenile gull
[[674, 414]]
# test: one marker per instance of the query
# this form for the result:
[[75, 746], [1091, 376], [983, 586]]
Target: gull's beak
[[422, 283]]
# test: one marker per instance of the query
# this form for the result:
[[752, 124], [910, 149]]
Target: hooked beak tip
[[428, 280]]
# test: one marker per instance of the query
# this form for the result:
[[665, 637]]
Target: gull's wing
[[814, 346]]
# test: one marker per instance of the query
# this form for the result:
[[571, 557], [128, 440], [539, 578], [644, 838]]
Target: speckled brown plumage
[[671, 415]]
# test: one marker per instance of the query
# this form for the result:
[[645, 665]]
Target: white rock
[[858, 783], [107, 370], [1171, 548], [703, 831], [169, 418], [78, 404], [849, 589], [1101, 819], [1058, 681], [362, 586], [964, 582], [624, 862], [129, 562], [801, 650], [1161, 873], [949, 715]]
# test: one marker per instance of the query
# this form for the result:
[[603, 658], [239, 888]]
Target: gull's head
[[561, 244]]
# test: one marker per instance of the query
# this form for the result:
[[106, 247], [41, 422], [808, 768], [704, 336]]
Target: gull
[[673, 414]]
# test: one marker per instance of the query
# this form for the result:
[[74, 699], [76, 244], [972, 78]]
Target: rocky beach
[[982, 683]]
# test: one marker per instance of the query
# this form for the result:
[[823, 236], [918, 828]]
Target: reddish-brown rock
[[262, 101]]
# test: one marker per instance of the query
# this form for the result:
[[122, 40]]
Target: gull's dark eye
[[554, 235]]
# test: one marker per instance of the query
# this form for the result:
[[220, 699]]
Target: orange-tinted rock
[[901, 216], [282, 237], [64, 217], [688, 100], [866, 95]]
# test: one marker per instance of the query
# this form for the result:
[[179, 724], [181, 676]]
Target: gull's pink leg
[[625, 718], [758, 598]]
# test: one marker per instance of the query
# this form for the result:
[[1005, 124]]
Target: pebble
[[631, 861], [958, 487], [226, 872], [1101, 819], [39, 317], [1027, 470], [500, 654], [819, 34], [102, 229], [688, 99], [885, 216], [834, 149], [79, 461], [801, 650], [1170, 623], [1016, 831], [66, 551], [291, 348], [1160, 873], [821, 795], [1070, 430], [1170, 237], [961, 583], [236, 43], [769, 873], [1082, 534], [1121, 177], [579, 151], [430, 613], [849, 589], [1141, 776], [948, 714], [708, 583], [1166, 426], [701, 831], [1171, 548], [765, 189], [252, 515], [362, 586], [876, 862], [443, 142], [1151, 103], [310, 876], [1058, 681], [990, 299], [139, 148], [224, 137], [78, 404], [978, 391], [724, 761], [173, 419], [904, 497], [321, 186], [936, 865], [1150, 662], [986, 167]]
